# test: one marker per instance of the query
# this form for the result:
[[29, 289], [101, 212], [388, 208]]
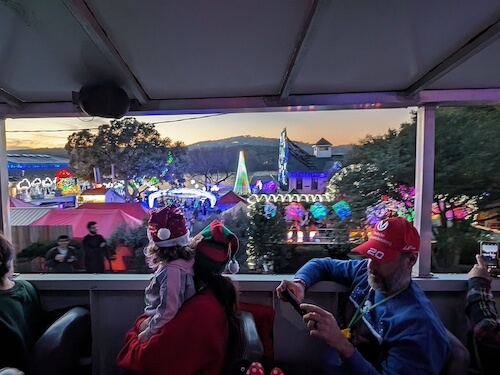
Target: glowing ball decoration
[[342, 209], [318, 211], [294, 211], [270, 210]]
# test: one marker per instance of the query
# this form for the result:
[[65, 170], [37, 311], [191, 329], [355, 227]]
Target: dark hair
[[6, 254], [63, 237], [225, 291], [155, 254], [90, 223]]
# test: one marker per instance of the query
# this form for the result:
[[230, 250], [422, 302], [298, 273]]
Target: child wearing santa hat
[[170, 254]]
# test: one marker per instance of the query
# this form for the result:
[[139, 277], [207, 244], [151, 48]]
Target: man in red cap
[[387, 326]]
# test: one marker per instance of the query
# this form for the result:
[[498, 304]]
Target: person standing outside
[[62, 258], [95, 249]]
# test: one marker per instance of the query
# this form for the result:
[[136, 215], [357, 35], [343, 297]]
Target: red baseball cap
[[390, 238]]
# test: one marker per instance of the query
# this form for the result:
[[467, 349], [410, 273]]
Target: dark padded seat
[[61, 346], [249, 347]]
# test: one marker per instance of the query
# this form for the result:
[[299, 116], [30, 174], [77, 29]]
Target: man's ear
[[412, 258]]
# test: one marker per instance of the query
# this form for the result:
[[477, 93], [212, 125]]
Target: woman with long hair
[[201, 337]]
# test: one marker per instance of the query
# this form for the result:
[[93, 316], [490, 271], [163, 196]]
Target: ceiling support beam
[[317, 9], [468, 50], [84, 16], [11, 99], [294, 103]]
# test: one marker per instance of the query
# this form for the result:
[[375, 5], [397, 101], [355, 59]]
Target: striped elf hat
[[217, 249]]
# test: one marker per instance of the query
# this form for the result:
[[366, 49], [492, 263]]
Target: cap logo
[[382, 225], [375, 253]]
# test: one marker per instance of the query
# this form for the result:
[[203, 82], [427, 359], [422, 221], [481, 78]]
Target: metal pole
[[424, 186], [4, 185]]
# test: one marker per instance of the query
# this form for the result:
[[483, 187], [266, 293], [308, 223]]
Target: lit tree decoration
[[318, 211], [342, 209], [242, 183], [294, 211]]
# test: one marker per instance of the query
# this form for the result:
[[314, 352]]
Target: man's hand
[[322, 324], [102, 244], [59, 257], [296, 288], [479, 269]]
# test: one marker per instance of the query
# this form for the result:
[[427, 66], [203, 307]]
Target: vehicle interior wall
[[115, 309]]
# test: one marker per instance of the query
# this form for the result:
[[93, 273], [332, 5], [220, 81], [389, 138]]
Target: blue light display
[[36, 166]]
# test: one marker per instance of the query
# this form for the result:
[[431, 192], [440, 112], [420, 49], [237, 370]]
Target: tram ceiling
[[232, 56]]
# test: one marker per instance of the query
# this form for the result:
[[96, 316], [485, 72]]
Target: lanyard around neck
[[360, 311]]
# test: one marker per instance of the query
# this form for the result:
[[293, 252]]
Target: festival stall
[[107, 220]]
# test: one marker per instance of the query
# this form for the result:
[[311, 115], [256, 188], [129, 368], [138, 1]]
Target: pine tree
[[266, 234]]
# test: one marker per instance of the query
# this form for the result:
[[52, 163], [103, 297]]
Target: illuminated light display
[[186, 193], [318, 211], [286, 198], [35, 166], [242, 183], [283, 157], [270, 210], [342, 209], [294, 211], [66, 183], [307, 174]]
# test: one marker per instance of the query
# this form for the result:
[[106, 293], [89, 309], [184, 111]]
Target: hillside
[[261, 154], [249, 141]]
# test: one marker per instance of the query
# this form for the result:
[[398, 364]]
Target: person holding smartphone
[[483, 315], [387, 325]]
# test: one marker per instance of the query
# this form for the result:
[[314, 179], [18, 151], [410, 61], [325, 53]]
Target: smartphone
[[489, 253], [290, 298]]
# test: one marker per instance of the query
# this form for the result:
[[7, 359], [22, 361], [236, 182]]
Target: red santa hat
[[167, 227]]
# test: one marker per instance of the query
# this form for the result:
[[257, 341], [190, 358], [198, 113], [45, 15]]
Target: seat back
[[458, 360], [59, 349], [249, 346]]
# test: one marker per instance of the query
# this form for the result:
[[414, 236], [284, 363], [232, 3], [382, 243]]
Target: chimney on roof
[[322, 149]]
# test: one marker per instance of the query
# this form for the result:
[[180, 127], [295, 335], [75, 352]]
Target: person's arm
[[105, 248], [480, 305], [50, 258], [482, 311], [327, 269], [72, 255], [410, 354], [170, 286]]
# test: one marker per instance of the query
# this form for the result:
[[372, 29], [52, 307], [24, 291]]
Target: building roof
[[322, 142], [26, 215], [35, 161], [301, 161], [346, 55]]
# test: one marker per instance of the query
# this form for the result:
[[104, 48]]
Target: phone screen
[[489, 253], [290, 298]]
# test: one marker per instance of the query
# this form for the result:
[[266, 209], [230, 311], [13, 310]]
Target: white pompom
[[163, 234], [233, 266]]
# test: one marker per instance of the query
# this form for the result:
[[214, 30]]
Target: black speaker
[[104, 100]]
